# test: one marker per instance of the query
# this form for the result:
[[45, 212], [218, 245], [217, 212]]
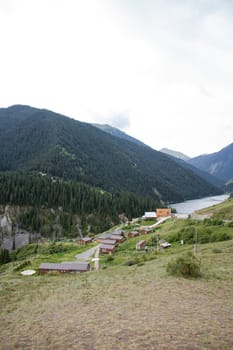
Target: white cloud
[[160, 69]]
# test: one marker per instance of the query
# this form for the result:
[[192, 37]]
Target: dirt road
[[87, 254]]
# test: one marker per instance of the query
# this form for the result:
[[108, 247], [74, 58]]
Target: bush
[[187, 266], [217, 251], [22, 265], [130, 262], [24, 252], [109, 258], [218, 237], [4, 256], [53, 248]]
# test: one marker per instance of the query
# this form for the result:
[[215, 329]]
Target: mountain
[[175, 154], [178, 157], [219, 164], [43, 141], [118, 133], [203, 174]]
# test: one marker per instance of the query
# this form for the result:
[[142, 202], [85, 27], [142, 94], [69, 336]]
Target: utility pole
[[157, 243], [195, 241]]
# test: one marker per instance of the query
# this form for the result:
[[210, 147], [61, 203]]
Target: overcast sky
[[160, 70]]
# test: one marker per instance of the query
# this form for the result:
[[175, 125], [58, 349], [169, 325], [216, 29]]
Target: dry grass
[[137, 307]]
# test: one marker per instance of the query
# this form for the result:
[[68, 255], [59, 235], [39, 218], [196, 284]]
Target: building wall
[[163, 212]]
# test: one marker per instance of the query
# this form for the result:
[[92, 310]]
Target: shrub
[[187, 266], [24, 252], [109, 258], [4, 256], [217, 251], [188, 234], [130, 262], [22, 265], [53, 248], [221, 236]]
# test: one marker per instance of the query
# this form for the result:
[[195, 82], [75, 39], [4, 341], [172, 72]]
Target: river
[[190, 206]]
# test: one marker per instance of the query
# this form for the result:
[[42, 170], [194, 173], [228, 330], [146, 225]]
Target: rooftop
[[75, 266]]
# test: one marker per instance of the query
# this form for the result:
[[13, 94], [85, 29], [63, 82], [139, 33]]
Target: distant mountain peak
[[118, 133], [175, 154]]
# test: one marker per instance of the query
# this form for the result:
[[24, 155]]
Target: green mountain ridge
[[178, 157], [219, 164], [34, 139]]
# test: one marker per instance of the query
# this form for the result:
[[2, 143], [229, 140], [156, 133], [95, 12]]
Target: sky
[[161, 71]]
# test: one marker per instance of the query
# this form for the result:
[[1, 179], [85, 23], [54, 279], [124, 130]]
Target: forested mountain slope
[[219, 164], [54, 206], [179, 157], [39, 140], [203, 174]]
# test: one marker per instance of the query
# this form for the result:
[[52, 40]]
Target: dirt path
[[87, 254]]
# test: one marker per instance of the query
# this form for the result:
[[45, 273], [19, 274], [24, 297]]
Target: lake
[[190, 206]]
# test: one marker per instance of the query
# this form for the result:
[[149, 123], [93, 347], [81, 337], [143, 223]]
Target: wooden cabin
[[75, 267], [109, 241], [103, 237], [145, 231], [118, 233], [133, 234], [85, 240], [107, 249], [117, 238], [163, 212]]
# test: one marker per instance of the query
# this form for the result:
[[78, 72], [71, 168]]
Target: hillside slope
[[219, 164], [178, 157], [222, 211], [175, 154], [116, 132], [203, 174], [40, 140]]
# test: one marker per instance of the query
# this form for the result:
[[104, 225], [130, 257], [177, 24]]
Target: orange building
[[163, 212]]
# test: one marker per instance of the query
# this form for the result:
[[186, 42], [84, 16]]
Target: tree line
[[96, 208]]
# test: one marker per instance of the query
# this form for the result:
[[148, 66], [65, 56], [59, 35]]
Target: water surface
[[190, 206]]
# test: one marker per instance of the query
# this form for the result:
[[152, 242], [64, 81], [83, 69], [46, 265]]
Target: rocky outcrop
[[6, 224], [12, 236]]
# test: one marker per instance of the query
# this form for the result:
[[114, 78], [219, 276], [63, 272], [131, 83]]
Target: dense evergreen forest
[[48, 201], [39, 140]]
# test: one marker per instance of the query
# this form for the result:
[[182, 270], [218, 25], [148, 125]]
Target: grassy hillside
[[40, 140], [222, 211], [123, 307]]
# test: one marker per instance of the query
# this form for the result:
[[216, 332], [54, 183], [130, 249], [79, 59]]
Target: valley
[[64, 185]]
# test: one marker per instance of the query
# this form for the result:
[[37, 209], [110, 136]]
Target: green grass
[[123, 307], [43, 253], [223, 211], [147, 222]]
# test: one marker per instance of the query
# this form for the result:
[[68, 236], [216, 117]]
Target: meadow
[[123, 306]]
